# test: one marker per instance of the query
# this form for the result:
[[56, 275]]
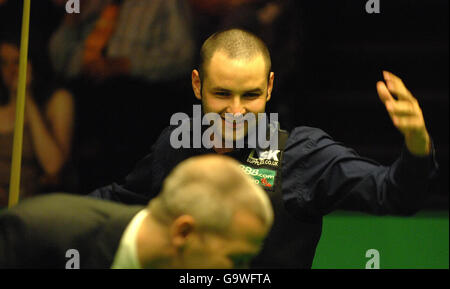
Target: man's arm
[[320, 174], [134, 190], [138, 186]]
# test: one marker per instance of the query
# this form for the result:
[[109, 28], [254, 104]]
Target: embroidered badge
[[268, 157]]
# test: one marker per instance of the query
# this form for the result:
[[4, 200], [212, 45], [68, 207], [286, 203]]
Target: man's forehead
[[224, 71], [221, 56]]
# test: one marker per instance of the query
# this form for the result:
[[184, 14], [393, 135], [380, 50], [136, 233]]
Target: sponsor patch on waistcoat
[[261, 176], [267, 157]]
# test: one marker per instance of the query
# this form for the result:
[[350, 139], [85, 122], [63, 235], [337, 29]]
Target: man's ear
[[181, 229], [196, 84], [270, 86]]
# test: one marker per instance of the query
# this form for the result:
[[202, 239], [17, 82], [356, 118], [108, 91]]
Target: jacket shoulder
[[306, 134]]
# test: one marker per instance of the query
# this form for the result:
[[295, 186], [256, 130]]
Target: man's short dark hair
[[236, 43]]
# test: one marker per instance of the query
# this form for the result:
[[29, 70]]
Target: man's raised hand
[[405, 113]]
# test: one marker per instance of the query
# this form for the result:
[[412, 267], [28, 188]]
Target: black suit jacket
[[38, 232]]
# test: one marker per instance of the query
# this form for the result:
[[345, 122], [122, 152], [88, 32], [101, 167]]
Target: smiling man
[[234, 78], [309, 174]]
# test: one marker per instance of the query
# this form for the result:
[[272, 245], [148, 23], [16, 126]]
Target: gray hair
[[210, 189]]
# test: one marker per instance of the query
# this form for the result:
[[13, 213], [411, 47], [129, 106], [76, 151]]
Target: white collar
[[126, 256]]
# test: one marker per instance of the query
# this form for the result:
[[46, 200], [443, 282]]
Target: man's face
[[236, 86], [234, 249]]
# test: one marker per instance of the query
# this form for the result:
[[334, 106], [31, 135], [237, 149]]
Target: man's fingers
[[401, 108], [404, 111], [397, 87], [383, 92]]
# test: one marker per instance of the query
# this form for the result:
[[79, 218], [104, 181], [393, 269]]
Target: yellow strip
[[14, 185]]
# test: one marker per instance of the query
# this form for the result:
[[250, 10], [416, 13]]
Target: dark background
[[328, 56], [345, 51]]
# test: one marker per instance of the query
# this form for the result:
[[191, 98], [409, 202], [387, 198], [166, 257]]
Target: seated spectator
[[49, 121], [148, 39]]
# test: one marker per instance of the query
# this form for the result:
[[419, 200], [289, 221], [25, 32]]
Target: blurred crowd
[[103, 83]]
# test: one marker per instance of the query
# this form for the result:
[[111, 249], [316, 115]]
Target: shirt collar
[[126, 256]]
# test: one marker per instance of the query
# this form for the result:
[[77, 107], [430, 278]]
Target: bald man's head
[[211, 189], [236, 44]]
